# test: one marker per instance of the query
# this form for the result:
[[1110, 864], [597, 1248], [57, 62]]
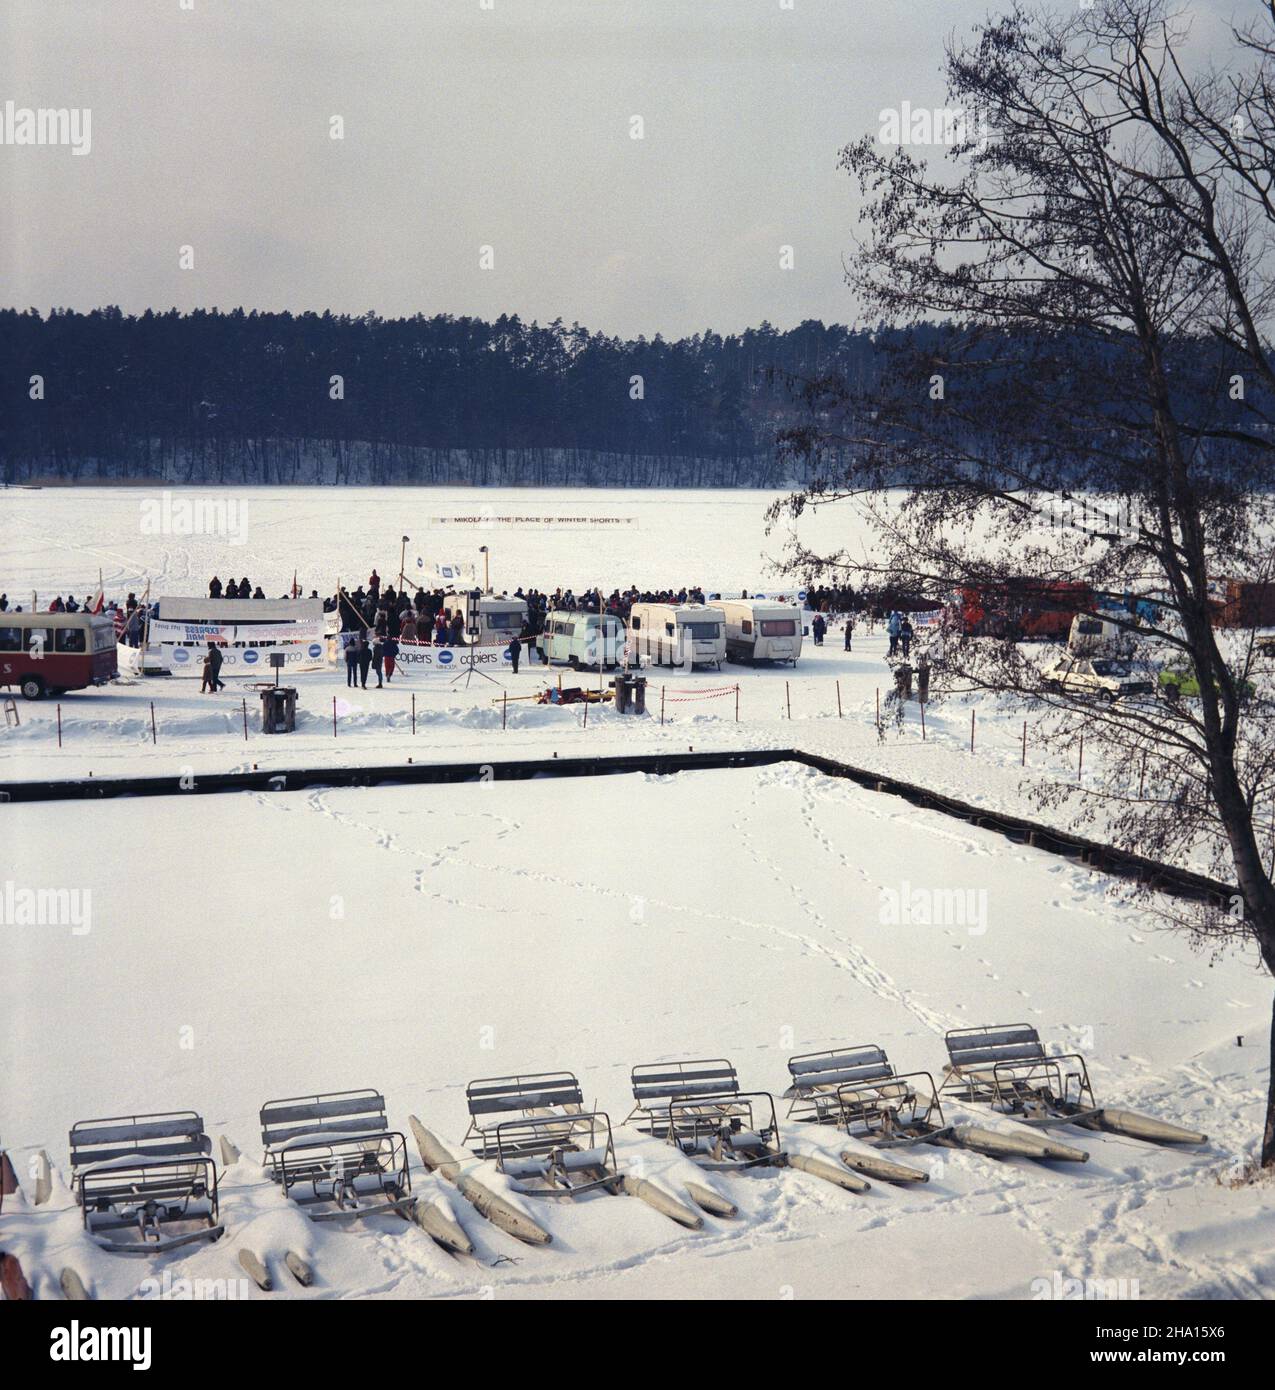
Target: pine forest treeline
[[267, 398]]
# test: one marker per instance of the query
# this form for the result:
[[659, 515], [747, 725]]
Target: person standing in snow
[[365, 658], [905, 636], [892, 626], [515, 651], [390, 649], [352, 662], [819, 627], [212, 670], [378, 658], [849, 630]]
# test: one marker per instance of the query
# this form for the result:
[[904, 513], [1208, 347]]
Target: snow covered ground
[[246, 947], [243, 948]]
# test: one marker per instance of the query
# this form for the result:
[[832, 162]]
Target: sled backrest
[[850, 1066], [658, 1083], [986, 1046], [330, 1116], [502, 1095], [178, 1134]]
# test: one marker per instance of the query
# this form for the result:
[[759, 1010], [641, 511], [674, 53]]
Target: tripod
[[468, 672]]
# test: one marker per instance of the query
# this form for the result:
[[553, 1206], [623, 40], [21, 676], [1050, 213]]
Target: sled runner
[[151, 1175], [537, 1132], [858, 1090], [1005, 1066], [335, 1155]]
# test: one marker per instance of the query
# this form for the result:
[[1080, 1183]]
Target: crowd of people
[[129, 617], [375, 617]]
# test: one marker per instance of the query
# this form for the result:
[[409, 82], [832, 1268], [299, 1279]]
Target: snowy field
[[417, 938], [247, 947]]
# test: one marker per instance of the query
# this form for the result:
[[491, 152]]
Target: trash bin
[[923, 682], [630, 693], [278, 710], [903, 680]]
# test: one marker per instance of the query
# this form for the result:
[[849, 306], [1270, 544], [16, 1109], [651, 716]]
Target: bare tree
[[1075, 406]]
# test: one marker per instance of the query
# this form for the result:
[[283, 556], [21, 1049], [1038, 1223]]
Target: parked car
[[1178, 680], [1106, 678]]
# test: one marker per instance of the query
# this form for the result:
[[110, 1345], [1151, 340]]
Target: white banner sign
[[247, 661], [488, 520], [309, 630], [449, 660]]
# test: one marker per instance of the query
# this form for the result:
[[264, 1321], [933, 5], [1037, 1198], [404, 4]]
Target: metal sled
[[335, 1155], [149, 1174], [537, 1131], [858, 1090], [1006, 1066], [697, 1106]]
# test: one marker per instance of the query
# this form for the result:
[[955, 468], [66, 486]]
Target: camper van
[[48, 653], [1094, 636], [492, 621], [762, 630], [678, 634], [573, 637]]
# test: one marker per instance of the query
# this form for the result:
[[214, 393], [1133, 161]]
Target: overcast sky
[[465, 126]]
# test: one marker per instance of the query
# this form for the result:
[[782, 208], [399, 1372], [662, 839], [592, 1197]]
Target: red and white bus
[[48, 653]]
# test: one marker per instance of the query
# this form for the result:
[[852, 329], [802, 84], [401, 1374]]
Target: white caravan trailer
[[759, 629], [573, 637], [1091, 636], [678, 634], [492, 621]]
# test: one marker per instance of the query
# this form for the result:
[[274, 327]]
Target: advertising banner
[[310, 630], [246, 661], [447, 661]]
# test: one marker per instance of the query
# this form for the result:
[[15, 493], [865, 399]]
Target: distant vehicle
[[1021, 609], [678, 634], [1178, 680], [575, 637], [50, 653], [1090, 636], [761, 630], [1107, 678], [492, 621], [1247, 604]]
